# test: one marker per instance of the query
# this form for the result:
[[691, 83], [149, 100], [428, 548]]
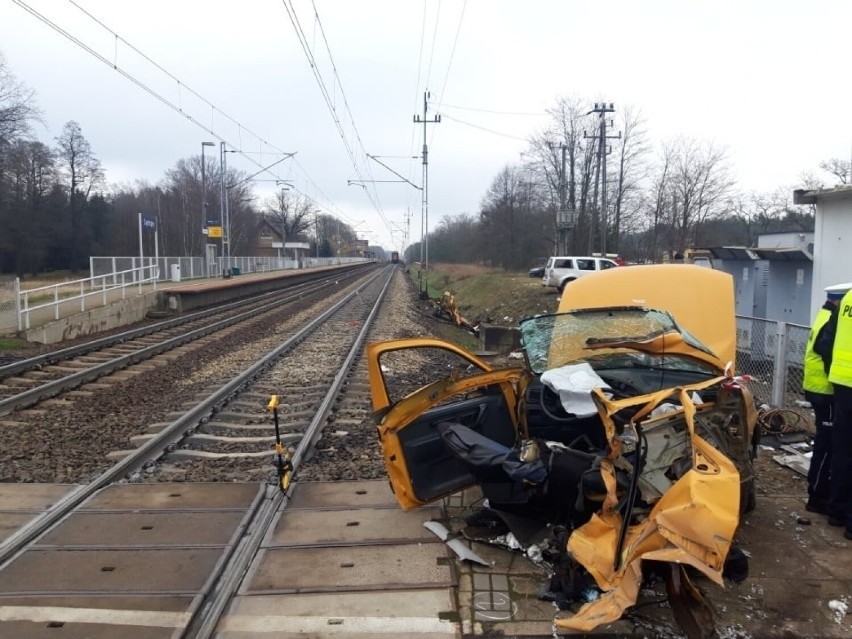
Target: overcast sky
[[768, 80]]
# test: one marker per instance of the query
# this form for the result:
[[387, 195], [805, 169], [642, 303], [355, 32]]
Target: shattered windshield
[[602, 337]]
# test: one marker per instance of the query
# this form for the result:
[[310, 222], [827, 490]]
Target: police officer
[[834, 344], [818, 391]]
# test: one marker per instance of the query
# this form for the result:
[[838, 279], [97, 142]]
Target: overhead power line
[[450, 63], [182, 86], [329, 101], [482, 128], [524, 113]]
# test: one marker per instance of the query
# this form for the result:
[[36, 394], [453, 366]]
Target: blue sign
[[149, 222]]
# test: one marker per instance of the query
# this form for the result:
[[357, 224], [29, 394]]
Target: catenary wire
[[487, 130], [294, 20], [169, 103]]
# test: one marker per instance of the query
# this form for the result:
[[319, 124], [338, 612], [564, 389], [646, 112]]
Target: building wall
[[745, 274], [832, 243], [788, 294], [803, 241]]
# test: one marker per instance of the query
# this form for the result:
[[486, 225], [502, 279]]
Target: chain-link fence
[[772, 353]]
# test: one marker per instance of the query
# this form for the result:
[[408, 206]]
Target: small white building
[[832, 238]]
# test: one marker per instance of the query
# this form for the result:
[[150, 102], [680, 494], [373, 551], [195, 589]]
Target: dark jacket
[[824, 342]]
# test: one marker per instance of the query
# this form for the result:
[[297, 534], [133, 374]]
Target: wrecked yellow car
[[624, 444]]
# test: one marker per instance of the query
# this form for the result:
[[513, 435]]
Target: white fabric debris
[[839, 609], [662, 409], [574, 383]]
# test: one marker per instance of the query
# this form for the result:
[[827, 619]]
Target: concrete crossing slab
[[385, 567], [358, 526], [354, 494], [180, 496], [90, 529], [420, 614]]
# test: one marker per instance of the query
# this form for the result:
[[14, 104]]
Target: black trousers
[[818, 474], [840, 499]]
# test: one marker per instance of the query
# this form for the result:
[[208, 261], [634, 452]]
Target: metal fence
[[78, 295], [772, 353], [113, 278], [185, 268]]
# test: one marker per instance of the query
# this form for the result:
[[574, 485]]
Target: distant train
[[395, 257]]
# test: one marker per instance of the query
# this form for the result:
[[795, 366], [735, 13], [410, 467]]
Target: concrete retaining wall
[[104, 318]]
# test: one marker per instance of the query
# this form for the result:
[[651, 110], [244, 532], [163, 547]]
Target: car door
[[421, 468]]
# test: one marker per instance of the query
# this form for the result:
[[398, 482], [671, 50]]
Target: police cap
[[835, 292]]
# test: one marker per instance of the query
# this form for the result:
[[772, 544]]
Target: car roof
[[579, 257], [700, 299]]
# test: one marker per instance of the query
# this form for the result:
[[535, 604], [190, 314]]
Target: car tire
[[562, 285]]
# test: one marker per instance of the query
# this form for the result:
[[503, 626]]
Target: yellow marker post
[[285, 466]]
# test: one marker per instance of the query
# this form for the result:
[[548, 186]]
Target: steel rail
[[74, 380], [33, 363], [210, 615], [171, 435]]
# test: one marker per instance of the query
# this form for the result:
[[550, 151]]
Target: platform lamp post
[[204, 204], [281, 204], [226, 222]]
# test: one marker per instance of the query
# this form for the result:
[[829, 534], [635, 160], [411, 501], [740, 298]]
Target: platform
[[127, 306]]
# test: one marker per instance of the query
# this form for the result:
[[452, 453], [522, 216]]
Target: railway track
[[27, 382], [180, 559]]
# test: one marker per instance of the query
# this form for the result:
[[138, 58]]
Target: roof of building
[[838, 192]]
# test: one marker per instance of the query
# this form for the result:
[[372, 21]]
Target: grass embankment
[[488, 295], [7, 300], [12, 343]]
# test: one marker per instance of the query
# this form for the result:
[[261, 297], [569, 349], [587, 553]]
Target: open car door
[[411, 420]]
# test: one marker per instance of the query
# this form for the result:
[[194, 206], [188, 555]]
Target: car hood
[[700, 299]]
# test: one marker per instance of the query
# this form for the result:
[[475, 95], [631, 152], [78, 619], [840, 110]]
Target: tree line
[[661, 198], [655, 198], [57, 210]]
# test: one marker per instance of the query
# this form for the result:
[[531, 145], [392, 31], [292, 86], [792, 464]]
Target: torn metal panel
[[798, 462], [455, 543]]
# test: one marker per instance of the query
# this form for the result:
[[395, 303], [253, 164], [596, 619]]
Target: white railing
[[112, 279], [85, 290], [198, 267]]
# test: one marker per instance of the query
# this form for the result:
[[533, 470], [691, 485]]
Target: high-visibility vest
[[815, 378], [841, 355]]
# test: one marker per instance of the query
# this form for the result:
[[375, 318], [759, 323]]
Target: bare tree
[[17, 105], [293, 216], [660, 199], [838, 168], [631, 171], [83, 169], [700, 186], [565, 131], [84, 173], [27, 229], [500, 217]]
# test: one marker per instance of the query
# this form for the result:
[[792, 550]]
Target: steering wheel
[[551, 398]]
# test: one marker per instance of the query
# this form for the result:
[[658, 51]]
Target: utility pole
[[424, 245], [204, 215], [226, 236], [602, 109], [565, 215]]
